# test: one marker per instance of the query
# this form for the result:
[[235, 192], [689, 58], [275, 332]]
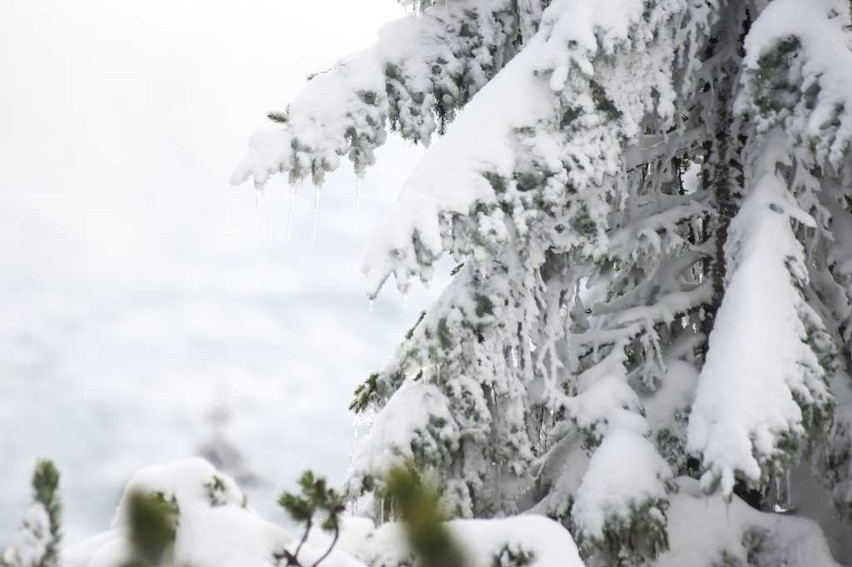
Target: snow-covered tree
[[40, 535], [649, 202]]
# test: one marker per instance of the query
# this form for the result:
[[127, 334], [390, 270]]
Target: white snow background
[[138, 291]]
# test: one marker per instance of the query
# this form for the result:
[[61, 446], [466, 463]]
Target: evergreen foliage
[[418, 507], [41, 532], [316, 502], [649, 201], [151, 523]]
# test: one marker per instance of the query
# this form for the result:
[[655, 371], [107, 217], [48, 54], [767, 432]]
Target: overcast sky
[[116, 110], [138, 290]]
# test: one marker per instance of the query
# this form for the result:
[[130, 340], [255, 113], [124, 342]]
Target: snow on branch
[[798, 75], [762, 384], [420, 71], [554, 123], [614, 499], [415, 426], [210, 525]]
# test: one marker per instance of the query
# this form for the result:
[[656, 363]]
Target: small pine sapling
[[316, 502], [40, 535]]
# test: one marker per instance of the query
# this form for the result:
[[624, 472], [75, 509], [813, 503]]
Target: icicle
[[788, 496], [783, 505], [357, 195], [405, 301], [371, 306], [293, 195], [777, 505], [316, 216], [258, 194]]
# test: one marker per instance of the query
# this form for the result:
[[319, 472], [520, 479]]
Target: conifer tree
[[315, 504], [649, 202]]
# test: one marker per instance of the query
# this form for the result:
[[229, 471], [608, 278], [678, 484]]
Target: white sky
[[138, 291], [141, 108]]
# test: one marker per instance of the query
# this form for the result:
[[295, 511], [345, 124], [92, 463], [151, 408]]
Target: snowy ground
[[138, 291]]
